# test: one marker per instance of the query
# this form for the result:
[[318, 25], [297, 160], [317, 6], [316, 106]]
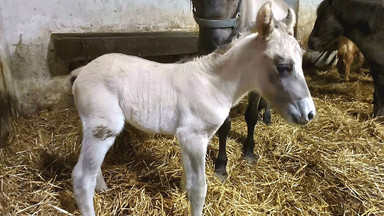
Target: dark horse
[[218, 24], [361, 21]]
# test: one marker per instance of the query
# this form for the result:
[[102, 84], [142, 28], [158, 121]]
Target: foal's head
[[211, 38], [282, 82], [327, 28]]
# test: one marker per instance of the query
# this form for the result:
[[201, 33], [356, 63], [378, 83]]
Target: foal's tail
[[73, 75]]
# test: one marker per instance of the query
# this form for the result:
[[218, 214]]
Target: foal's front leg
[[193, 150], [251, 117]]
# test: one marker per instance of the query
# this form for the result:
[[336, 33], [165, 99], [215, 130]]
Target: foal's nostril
[[311, 115]]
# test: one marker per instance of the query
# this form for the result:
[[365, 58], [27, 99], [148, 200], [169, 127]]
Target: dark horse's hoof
[[267, 119], [248, 154], [221, 174], [252, 160]]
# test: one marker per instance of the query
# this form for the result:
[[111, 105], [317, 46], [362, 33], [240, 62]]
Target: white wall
[[27, 25], [293, 4], [306, 19]]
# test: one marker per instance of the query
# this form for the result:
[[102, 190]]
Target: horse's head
[[216, 19], [283, 83], [327, 28]]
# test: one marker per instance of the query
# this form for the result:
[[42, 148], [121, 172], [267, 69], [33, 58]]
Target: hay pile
[[333, 166]]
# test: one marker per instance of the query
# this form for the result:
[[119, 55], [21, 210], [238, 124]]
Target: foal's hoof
[[221, 174], [101, 188]]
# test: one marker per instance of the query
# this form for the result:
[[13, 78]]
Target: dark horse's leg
[[221, 161], [377, 72], [251, 117], [267, 111]]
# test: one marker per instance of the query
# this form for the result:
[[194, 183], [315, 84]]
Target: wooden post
[[4, 109]]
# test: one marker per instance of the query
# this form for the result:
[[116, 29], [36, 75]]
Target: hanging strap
[[218, 24]]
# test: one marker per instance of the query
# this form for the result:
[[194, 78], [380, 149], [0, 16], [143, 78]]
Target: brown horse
[[361, 21], [347, 52]]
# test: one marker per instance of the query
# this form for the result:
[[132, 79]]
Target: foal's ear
[[264, 21], [290, 21]]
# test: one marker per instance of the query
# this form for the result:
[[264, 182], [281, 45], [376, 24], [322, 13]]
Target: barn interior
[[332, 166]]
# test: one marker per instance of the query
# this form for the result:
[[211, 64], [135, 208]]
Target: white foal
[[189, 100]]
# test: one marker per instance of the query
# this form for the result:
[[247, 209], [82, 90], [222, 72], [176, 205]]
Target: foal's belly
[[152, 121], [150, 104]]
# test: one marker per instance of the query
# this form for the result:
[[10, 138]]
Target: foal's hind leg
[[251, 117], [193, 150], [98, 136], [100, 183], [221, 160], [85, 172]]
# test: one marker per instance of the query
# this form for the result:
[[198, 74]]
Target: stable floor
[[333, 166]]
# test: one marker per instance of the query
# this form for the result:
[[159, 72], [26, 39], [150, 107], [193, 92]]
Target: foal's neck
[[234, 69]]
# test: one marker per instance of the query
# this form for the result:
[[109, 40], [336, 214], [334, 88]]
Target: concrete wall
[[26, 26], [293, 4], [306, 17], [306, 20]]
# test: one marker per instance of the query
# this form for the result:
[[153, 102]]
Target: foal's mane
[[221, 50], [363, 12]]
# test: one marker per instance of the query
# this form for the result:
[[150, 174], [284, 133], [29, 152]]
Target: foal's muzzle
[[303, 120], [303, 112]]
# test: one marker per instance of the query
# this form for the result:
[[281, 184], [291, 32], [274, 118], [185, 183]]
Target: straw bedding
[[333, 166]]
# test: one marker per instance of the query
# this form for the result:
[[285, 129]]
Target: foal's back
[[149, 95], [139, 89]]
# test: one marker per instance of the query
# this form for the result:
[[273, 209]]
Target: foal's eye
[[284, 69]]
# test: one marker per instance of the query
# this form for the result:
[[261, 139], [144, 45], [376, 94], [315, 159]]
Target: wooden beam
[[69, 48], [4, 110]]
